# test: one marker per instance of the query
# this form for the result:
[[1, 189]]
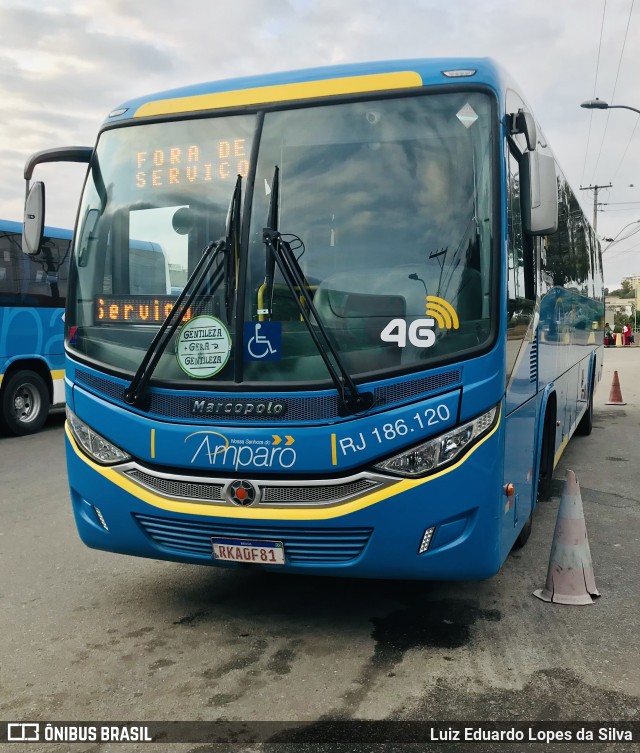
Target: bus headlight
[[96, 446], [441, 450]]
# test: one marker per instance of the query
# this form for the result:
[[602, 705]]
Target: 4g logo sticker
[[420, 332]]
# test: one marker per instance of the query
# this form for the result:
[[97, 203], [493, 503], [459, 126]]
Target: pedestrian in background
[[626, 334]]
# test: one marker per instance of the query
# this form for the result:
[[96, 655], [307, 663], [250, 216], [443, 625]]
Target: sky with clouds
[[65, 64]]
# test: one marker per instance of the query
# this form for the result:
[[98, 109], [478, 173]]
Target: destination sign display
[[142, 309], [189, 164]]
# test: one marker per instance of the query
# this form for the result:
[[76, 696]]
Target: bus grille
[[271, 494], [309, 546], [310, 408], [321, 494], [194, 490]]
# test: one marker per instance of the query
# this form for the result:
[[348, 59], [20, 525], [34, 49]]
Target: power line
[[626, 149], [616, 254], [615, 84], [595, 84], [620, 240], [611, 203], [620, 254]]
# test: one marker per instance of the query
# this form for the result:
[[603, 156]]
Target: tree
[[619, 321], [626, 290]]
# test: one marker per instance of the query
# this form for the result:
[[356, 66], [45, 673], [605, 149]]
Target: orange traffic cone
[[570, 576], [615, 396]]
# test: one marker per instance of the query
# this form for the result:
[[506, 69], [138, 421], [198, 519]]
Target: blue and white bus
[[387, 327], [33, 290]]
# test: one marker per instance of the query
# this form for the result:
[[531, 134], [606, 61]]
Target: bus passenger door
[[521, 362]]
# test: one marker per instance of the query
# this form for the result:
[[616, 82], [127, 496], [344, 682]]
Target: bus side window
[[9, 271], [48, 273]]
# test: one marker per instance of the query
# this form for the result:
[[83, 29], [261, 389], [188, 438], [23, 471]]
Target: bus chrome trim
[[271, 493]]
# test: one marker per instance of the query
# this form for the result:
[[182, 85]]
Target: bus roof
[[9, 226], [309, 84]]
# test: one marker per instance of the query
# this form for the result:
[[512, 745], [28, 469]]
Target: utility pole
[[595, 190]]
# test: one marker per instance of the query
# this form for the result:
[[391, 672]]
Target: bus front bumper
[[446, 527]]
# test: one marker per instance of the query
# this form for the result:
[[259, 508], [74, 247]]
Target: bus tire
[[586, 422], [524, 534], [545, 468], [25, 403]]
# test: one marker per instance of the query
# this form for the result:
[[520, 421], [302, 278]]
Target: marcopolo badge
[[203, 347]]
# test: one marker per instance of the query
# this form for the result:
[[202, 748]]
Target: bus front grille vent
[[106, 387], [304, 546], [396, 393], [316, 495], [312, 408], [191, 490]]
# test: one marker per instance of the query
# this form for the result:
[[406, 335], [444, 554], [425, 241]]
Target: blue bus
[[385, 324], [33, 290]]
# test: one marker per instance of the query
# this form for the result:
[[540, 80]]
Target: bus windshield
[[387, 206]]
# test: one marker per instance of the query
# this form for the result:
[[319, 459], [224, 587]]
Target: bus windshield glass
[[386, 204]]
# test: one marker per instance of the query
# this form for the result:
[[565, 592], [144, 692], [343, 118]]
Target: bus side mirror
[[33, 227], [526, 124], [539, 193]]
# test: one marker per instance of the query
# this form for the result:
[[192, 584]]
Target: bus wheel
[[586, 422], [25, 403], [524, 534], [545, 470]]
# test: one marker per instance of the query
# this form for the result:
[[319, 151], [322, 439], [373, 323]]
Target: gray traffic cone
[[570, 576]]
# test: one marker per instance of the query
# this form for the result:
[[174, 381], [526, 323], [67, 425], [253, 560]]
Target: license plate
[[257, 552]]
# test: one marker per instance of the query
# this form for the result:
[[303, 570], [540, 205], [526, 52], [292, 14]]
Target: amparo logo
[[217, 450]]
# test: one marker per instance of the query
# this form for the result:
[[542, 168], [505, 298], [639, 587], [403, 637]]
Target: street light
[[599, 104]]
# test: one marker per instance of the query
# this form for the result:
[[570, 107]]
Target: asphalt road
[[87, 635]]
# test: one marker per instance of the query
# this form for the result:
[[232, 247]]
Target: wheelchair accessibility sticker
[[263, 341]]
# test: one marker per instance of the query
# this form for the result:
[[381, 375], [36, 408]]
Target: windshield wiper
[[135, 394], [232, 242], [270, 260], [279, 253]]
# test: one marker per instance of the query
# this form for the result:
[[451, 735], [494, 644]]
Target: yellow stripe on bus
[[282, 92], [271, 513], [567, 437]]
